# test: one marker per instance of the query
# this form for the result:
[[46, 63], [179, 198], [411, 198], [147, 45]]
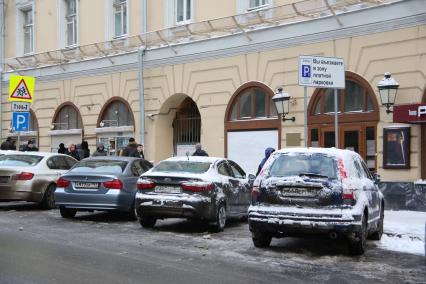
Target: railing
[[170, 37]]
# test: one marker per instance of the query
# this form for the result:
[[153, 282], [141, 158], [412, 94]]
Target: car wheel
[[67, 212], [48, 201], [261, 239], [220, 221], [357, 246], [147, 222], [377, 235]]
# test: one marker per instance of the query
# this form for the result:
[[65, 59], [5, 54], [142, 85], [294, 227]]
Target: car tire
[[147, 222], [261, 239], [67, 212], [220, 221], [377, 235], [358, 246], [48, 201]]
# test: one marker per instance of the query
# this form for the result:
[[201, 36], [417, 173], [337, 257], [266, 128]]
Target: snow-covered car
[[31, 176], [317, 191], [204, 188]]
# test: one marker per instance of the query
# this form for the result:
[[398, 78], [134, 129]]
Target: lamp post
[[388, 88], [281, 100]]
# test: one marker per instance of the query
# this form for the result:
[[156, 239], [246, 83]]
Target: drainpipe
[[144, 14], [141, 53], [2, 22]]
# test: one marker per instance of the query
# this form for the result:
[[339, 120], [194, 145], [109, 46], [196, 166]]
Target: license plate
[[298, 192], [86, 185], [167, 189], [4, 179]]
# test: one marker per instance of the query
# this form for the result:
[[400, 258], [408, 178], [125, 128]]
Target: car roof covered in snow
[[340, 153], [195, 159]]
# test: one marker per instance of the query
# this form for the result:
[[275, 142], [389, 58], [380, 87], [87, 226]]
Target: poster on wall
[[396, 148]]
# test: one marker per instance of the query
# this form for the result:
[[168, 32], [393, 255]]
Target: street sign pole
[[18, 141], [305, 108], [336, 121]]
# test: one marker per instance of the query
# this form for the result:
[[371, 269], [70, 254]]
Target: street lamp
[[282, 103], [387, 88]]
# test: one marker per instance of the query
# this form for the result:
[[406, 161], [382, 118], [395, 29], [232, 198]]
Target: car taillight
[[348, 196], [23, 176], [113, 184], [61, 182], [145, 184], [197, 186], [255, 192]]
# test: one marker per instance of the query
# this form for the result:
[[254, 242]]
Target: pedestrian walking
[[85, 148], [62, 149], [199, 151], [268, 152], [138, 152], [72, 151], [131, 146], [100, 151], [30, 146], [7, 145]]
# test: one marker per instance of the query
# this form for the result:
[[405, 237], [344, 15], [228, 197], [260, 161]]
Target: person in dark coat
[[30, 146], [7, 145], [72, 151], [199, 151], [129, 148], [62, 149], [138, 152], [85, 148], [268, 152], [100, 151]]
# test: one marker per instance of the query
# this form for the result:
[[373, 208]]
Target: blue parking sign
[[21, 121], [306, 71]]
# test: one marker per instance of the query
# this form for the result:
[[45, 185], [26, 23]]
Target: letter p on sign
[[306, 71], [21, 121]]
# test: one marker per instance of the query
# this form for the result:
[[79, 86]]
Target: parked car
[[9, 152], [31, 176], [100, 183], [205, 188], [316, 191]]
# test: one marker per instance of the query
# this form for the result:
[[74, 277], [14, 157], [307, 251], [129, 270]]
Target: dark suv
[[316, 191]]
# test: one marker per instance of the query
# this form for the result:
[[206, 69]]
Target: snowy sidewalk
[[404, 231]]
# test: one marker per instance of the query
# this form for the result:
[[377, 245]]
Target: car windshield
[[20, 160], [304, 164], [182, 166], [100, 166]]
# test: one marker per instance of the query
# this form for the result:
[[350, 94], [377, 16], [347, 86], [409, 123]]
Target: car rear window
[[309, 164], [182, 167], [20, 160], [100, 166]]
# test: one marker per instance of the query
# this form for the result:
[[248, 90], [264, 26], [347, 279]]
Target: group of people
[[81, 151], [10, 144]]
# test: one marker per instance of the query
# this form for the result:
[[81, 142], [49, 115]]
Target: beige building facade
[[217, 89]]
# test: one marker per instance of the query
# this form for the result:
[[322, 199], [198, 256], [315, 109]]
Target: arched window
[[251, 125], [358, 117], [116, 113], [68, 117]]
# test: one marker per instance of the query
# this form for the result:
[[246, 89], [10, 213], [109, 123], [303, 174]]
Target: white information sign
[[20, 106], [321, 72]]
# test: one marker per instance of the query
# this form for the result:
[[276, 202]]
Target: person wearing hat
[[62, 149], [100, 151], [30, 146]]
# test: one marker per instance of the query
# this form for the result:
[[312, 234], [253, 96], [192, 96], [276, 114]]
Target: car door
[[374, 192], [241, 185], [366, 185], [231, 195]]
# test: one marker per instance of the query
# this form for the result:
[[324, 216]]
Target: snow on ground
[[404, 231]]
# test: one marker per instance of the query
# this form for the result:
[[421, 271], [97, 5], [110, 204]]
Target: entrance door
[[352, 139]]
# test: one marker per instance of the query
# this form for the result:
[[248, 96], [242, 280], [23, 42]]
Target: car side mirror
[[376, 178]]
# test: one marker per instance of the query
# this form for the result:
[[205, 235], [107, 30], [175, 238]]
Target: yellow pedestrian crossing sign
[[21, 89]]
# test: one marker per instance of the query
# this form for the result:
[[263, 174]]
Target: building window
[[67, 118], [117, 113], [183, 11], [71, 22], [256, 4], [120, 18], [28, 29]]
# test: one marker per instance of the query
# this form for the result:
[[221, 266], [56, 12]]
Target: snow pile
[[404, 231]]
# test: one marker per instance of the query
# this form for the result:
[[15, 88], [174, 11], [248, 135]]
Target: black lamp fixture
[[388, 88], [281, 100]]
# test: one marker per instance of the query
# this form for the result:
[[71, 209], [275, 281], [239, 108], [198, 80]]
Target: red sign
[[415, 113]]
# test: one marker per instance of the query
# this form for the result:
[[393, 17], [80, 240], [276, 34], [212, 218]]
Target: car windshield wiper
[[312, 175]]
